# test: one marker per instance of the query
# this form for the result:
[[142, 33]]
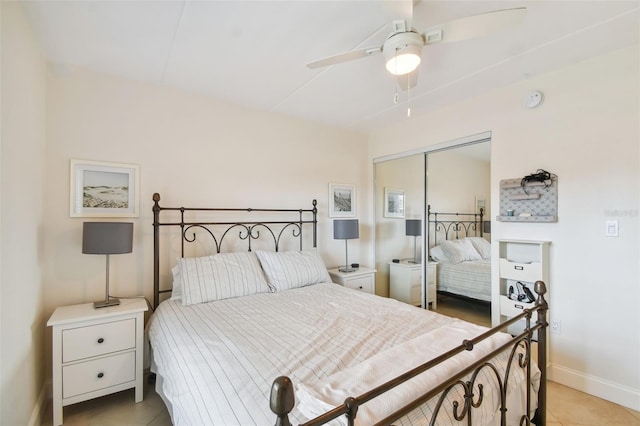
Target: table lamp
[[107, 238], [414, 229], [346, 229]]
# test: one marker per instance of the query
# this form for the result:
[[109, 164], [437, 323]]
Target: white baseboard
[[41, 404], [602, 388]]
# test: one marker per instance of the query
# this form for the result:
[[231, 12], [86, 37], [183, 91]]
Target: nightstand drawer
[[98, 374], [85, 342], [360, 283]]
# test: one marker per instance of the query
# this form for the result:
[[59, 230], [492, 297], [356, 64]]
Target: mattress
[[216, 361], [471, 279]]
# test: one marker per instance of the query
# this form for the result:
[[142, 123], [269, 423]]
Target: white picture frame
[[342, 200], [103, 189], [394, 202], [481, 203]]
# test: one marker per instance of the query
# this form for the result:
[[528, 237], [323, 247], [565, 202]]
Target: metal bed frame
[[282, 398], [453, 225], [248, 230]]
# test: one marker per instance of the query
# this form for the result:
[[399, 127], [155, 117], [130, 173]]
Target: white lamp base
[[347, 269]]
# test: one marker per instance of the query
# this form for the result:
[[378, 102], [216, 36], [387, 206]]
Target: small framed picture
[[393, 203], [342, 200], [100, 189], [481, 203]]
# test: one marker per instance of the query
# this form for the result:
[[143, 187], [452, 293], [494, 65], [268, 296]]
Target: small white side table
[[405, 282], [363, 279], [96, 352]]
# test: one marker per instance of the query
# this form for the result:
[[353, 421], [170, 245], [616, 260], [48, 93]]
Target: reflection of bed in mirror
[[457, 243]]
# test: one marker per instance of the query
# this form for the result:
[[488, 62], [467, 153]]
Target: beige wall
[[587, 133], [193, 150], [22, 310], [456, 180]]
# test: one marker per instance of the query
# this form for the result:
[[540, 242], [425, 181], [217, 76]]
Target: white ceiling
[[254, 52]]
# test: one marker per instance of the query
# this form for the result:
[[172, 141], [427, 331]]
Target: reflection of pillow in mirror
[[457, 251], [438, 255], [482, 246]]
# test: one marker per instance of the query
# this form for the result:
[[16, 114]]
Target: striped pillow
[[220, 276], [293, 269]]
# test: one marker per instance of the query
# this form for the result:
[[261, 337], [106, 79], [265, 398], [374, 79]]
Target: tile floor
[[566, 406]]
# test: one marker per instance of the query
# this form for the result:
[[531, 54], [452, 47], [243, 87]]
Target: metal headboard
[[248, 230], [453, 225]]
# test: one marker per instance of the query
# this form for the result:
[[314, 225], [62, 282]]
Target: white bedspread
[[471, 278], [217, 360]]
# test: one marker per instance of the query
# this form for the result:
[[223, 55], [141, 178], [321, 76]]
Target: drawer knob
[[100, 340], [360, 287], [100, 375]]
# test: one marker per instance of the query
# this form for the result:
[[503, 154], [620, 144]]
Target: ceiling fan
[[402, 49]]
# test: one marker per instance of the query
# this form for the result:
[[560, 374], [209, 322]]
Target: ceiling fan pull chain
[[408, 95]]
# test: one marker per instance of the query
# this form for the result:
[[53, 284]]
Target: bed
[[263, 337], [457, 243]]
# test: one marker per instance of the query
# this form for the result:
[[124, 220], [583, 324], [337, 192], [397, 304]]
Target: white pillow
[[482, 246], [220, 276], [438, 255], [176, 287], [292, 269], [457, 251]]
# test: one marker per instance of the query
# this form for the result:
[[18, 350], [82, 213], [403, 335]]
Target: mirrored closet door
[[451, 178]]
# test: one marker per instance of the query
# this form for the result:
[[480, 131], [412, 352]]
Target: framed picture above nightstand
[[362, 279]]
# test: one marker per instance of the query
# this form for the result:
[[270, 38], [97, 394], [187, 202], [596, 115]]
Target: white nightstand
[[96, 352], [405, 282], [364, 279]]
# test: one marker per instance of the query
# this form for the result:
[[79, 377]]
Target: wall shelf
[[537, 201]]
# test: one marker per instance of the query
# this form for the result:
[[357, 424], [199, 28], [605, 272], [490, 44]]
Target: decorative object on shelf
[[346, 229], [342, 200], [100, 189], [107, 238], [413, 227], [532, 198], [394, 203]]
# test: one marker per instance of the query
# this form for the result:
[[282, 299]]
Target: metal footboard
[[282, 398]]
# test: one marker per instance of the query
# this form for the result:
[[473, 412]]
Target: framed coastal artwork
[[394, 203], [342, 200], [101, 189]]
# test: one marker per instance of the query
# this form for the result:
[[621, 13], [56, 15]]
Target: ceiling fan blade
[[408, 81], [475, 25], [344, 57]]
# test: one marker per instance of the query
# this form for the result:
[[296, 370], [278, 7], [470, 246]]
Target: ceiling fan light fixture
[[403, 52], [403, 63]]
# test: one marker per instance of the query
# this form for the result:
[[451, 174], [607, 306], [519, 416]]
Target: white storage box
[[530, 272]]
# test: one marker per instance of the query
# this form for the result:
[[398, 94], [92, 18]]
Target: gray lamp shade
[[486, 228], [413, 227], [346, 229], [107, 237]]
